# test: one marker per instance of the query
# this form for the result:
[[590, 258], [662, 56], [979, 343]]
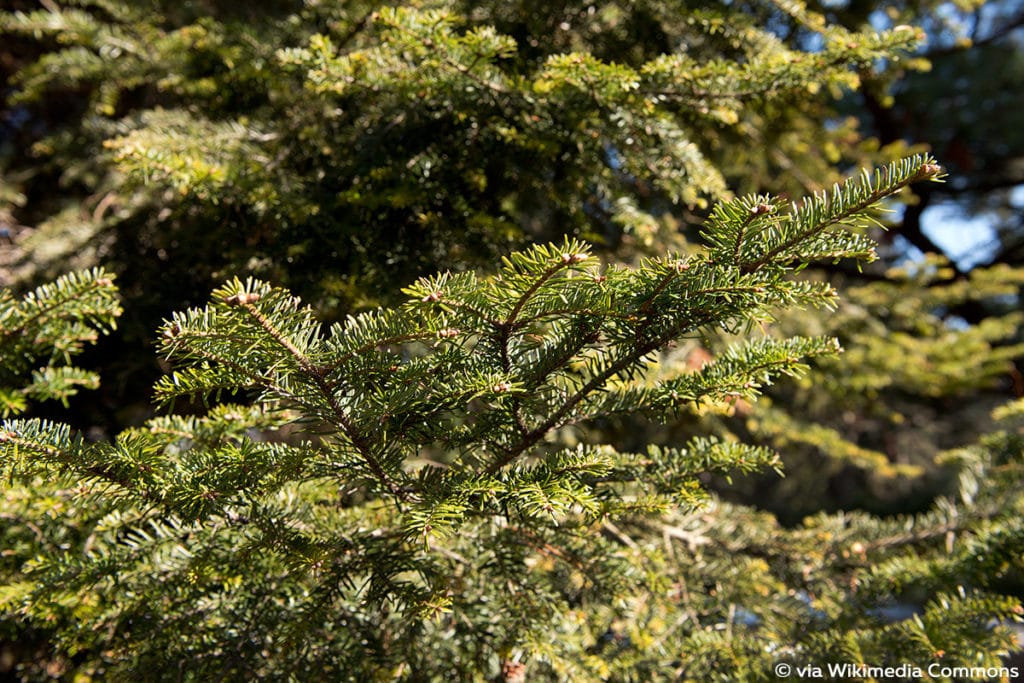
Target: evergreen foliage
[[40, 333], [394, 496], [339, 147], [538, 463], [863, 429]]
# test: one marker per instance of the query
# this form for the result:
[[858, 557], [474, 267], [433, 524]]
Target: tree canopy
[[518, 311]]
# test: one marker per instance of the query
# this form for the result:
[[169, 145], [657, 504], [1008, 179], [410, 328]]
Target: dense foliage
[[533, 461], [341, 148], [428, 520]]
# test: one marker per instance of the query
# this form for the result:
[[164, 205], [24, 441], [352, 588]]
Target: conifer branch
[[672, 273], [348, 428], [307, 366], [567, 259], [533, 436], [851, 200], [397, 339]]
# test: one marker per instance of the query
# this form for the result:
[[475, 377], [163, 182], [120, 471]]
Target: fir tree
[[339, 149], [408, 506], [508, 470]]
